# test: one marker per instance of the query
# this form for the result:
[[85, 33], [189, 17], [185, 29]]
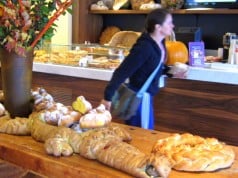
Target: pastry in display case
[[82, 55], [41, 56]]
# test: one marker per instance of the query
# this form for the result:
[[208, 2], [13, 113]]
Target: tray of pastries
[[82, 55]]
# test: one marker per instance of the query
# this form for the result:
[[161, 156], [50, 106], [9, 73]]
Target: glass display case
[[82, 55]]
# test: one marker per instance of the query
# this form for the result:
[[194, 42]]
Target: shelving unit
[[88, 24], [179, 11]]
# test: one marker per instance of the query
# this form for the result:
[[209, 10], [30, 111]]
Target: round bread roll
[[124, 39], [60, 115], [107, 34], [189, 152], [97, 117]]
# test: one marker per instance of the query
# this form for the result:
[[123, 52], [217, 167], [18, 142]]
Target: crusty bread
[[137, 3], [124, 39], [119, 3], [107, 34], [189, 152]]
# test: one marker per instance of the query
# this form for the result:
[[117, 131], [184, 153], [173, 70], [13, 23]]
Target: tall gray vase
[[16, 74]]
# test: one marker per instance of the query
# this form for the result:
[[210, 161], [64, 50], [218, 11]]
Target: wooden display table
[[25, 152]]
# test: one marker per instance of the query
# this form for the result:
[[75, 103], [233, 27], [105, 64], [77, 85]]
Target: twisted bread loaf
[[104, 144], [17, 126], [194, 153], [128, 158], [59, 139]]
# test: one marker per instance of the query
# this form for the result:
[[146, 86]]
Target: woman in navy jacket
[[142, 60]]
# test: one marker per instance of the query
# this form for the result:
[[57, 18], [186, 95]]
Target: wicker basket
[[135, 4]]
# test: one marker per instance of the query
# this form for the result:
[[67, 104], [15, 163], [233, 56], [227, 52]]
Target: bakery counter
[[215, 72], [219, 73], [82, 72], [199, 107], [25, 152]]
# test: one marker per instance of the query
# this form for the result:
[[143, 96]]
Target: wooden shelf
[[180, 11], [119, 11]]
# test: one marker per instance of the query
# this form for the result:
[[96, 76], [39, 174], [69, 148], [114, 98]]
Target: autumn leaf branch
[[61, 9]]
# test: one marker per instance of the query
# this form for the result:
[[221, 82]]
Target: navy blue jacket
[[142, 60]]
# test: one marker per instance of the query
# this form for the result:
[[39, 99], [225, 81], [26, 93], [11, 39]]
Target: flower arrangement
[[23, 23]]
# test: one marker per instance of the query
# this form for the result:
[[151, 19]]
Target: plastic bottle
[[236, 52], [232, 49]]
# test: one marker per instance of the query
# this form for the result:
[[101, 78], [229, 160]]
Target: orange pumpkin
[[176, 52]]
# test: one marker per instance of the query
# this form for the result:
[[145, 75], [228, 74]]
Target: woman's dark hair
[[156, 16]]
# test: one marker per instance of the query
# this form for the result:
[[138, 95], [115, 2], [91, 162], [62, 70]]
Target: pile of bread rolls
[[81, 112]]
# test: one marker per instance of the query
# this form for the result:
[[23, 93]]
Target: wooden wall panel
[[204, 108], [66, 89]]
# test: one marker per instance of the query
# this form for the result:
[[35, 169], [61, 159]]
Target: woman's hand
[[179, 70], [107, 104]]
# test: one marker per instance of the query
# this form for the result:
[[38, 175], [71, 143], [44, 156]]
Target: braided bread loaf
[[189, 152]]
